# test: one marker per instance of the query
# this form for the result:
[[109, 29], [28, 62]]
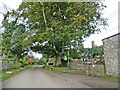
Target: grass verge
[[60, 69], [110, 78], [4, 75]]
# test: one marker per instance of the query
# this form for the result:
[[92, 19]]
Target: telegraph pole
[[68, 58]]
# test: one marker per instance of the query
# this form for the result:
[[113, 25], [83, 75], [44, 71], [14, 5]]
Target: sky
[[111, 13]]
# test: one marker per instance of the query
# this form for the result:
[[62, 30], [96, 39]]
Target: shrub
[[16, 65]]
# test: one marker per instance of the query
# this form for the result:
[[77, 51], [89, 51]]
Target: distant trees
[[93, 53]]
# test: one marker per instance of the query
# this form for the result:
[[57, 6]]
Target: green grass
[[110, 78], [60, 69], [0, 75], [4, 75]]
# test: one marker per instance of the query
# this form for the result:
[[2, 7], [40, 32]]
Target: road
[[40, 78]]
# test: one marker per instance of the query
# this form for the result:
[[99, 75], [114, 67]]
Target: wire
[[114, 13], [111, 21], [106, 32]]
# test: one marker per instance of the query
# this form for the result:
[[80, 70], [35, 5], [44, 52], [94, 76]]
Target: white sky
[[111, 12]]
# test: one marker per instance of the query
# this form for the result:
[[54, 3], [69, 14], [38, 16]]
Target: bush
[[48, 67], [24, 61], [43, 60], [43, 66], [52, 59], [16, 66]]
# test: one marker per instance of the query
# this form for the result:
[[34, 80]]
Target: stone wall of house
[[111, 51]]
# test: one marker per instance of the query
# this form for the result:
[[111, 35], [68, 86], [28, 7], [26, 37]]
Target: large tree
[[54, 26]]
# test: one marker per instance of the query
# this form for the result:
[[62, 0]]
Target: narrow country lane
[[40, 78]]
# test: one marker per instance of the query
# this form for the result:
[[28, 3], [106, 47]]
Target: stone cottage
[[112, 54]]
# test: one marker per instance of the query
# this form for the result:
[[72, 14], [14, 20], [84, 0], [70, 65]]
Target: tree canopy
[[51, 27]]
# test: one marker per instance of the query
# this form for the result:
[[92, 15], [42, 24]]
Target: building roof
[[111, 36]]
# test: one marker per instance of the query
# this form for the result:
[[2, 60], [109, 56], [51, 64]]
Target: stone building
[[112, 54]]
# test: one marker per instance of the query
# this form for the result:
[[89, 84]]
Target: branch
[[44, 15], [6, 9]]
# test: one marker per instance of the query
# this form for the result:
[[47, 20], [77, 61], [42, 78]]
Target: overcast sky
[[111, 12]]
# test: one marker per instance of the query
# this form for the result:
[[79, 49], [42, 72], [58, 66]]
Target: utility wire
[[108, 31], [116, 12], [111, 21], [105, 33], [113, 14]]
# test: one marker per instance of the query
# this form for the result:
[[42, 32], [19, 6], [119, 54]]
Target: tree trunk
[[58, 60]]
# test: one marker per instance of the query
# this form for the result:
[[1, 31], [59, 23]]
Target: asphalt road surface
[[40, 78]]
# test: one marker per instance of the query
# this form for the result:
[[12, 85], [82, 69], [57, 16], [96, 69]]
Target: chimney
[[93, 44]]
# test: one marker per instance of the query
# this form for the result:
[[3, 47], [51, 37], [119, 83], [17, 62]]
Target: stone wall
[[111, 51], [96, 69], [6, 65]]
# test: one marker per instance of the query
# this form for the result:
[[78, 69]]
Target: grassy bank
[[5, 74], [60, 69], [110, 78]]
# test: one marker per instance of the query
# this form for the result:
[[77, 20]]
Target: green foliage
[[49, 67], [74, 54], [110, 78], [60, 25], [94, 53], [59, 69], [17, 65], [52, 59], [43, 60], [98, 50], [24, 61], [4, 75], [10, 58]]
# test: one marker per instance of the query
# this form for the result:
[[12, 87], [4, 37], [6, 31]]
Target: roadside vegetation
[[5, 74], [111, 78], [60, 69], [10, 67]]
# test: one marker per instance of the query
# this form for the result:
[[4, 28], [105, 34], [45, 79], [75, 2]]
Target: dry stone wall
[[111, 54]]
